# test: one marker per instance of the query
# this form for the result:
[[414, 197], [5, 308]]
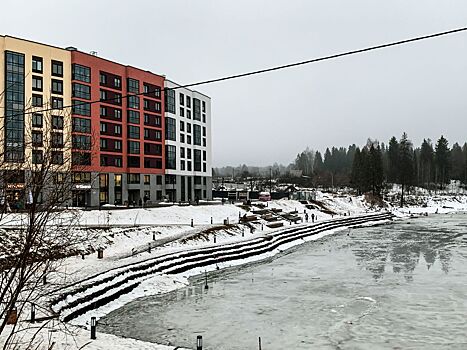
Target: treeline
[[369, 167]]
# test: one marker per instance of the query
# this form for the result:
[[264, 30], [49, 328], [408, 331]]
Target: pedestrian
[[312, 217], [306, 217]]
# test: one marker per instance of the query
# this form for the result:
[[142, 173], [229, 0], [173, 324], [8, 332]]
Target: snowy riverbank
[[119, 242]]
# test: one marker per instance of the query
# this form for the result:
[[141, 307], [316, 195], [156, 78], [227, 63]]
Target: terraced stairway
[[99, 290]]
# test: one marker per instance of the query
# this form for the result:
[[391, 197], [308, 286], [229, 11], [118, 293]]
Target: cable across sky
[[276, 68]]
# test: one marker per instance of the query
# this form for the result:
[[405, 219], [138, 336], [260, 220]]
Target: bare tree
[[37, 227]]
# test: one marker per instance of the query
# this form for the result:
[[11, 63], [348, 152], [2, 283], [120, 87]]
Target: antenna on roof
[[94, 53]]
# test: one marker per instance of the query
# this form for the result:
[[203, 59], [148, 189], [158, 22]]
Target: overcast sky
[[419, 88]]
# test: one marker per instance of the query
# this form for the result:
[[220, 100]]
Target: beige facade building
[[35, 95]]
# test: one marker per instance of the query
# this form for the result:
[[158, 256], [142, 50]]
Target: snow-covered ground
[[125, 236]]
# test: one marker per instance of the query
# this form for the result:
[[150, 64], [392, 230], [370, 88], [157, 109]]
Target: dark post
[[191, 222], [262, 227], [93, 327], [44, 279], [154, 236], [243, 233], [82, 256], [33, 313], [214, 238], [206, 280], [211, 220], [149, 247], [259, 343], [199, 342]]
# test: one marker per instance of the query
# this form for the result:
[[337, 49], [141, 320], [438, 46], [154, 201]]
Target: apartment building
[[188, 144], [35, 82], [134, 137]]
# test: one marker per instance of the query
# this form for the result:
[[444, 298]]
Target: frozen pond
[[397, 286]]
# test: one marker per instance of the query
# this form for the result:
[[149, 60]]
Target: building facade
[[188, 144], [134, 137]]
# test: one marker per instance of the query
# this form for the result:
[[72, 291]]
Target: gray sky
[[419, 88]]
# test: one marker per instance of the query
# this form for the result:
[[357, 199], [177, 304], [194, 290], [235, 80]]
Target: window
[[103, 95], [204, 131], [103, 127], [133, 117], [37, 139], [170, 157], [204, 167], [79, 177], [133, 178], [182, 138], [82, 125], [182, 152], [188, 153], [203, 103], [57, 87], [204, 118], [103, 144], [170, 129], [188, 139], [170, 101], [133, 85], [197, 134], [204, 142], [133, 102], [80, 158], [117, 113], [159, 195], [103, 78], [36, 83], [188, 102], [147, 194], [182, 165], [57, 122], [196, 109], [117, 129], [133, 147], [36, 64], [37, 100], [147, 180], [57, 157], [159, 180], [37, 120], [188, 114], [118, 180], [81, 73], [81, 142], [117, 145], [57, 69], [182, 112], [117, 82], [204, 155], [133, 132], [81, 108], [188, 165], [103, 111], [57, 103], [37, 157], [182, 99], [197, 160], [57, 140], [188, 127], [81, 91]]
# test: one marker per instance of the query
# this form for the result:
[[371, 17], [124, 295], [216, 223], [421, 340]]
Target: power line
[[266, 70]]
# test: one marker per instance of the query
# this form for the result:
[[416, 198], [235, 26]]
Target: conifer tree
[[442, 161], [405, 164], [393, 160]]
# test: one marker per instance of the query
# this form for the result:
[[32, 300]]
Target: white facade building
[[187, 144]]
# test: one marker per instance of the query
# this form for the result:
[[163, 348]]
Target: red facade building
[[118, 129]]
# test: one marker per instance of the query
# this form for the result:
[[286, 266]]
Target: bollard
[[243, 233], [93, 327], [206, 280], [199, 342], [214, 238], [191, 222], [149, 247], [259, 343], [33, 313], [262, 227], [82, 256], [211, 220], [154, 236], [100, 253]]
